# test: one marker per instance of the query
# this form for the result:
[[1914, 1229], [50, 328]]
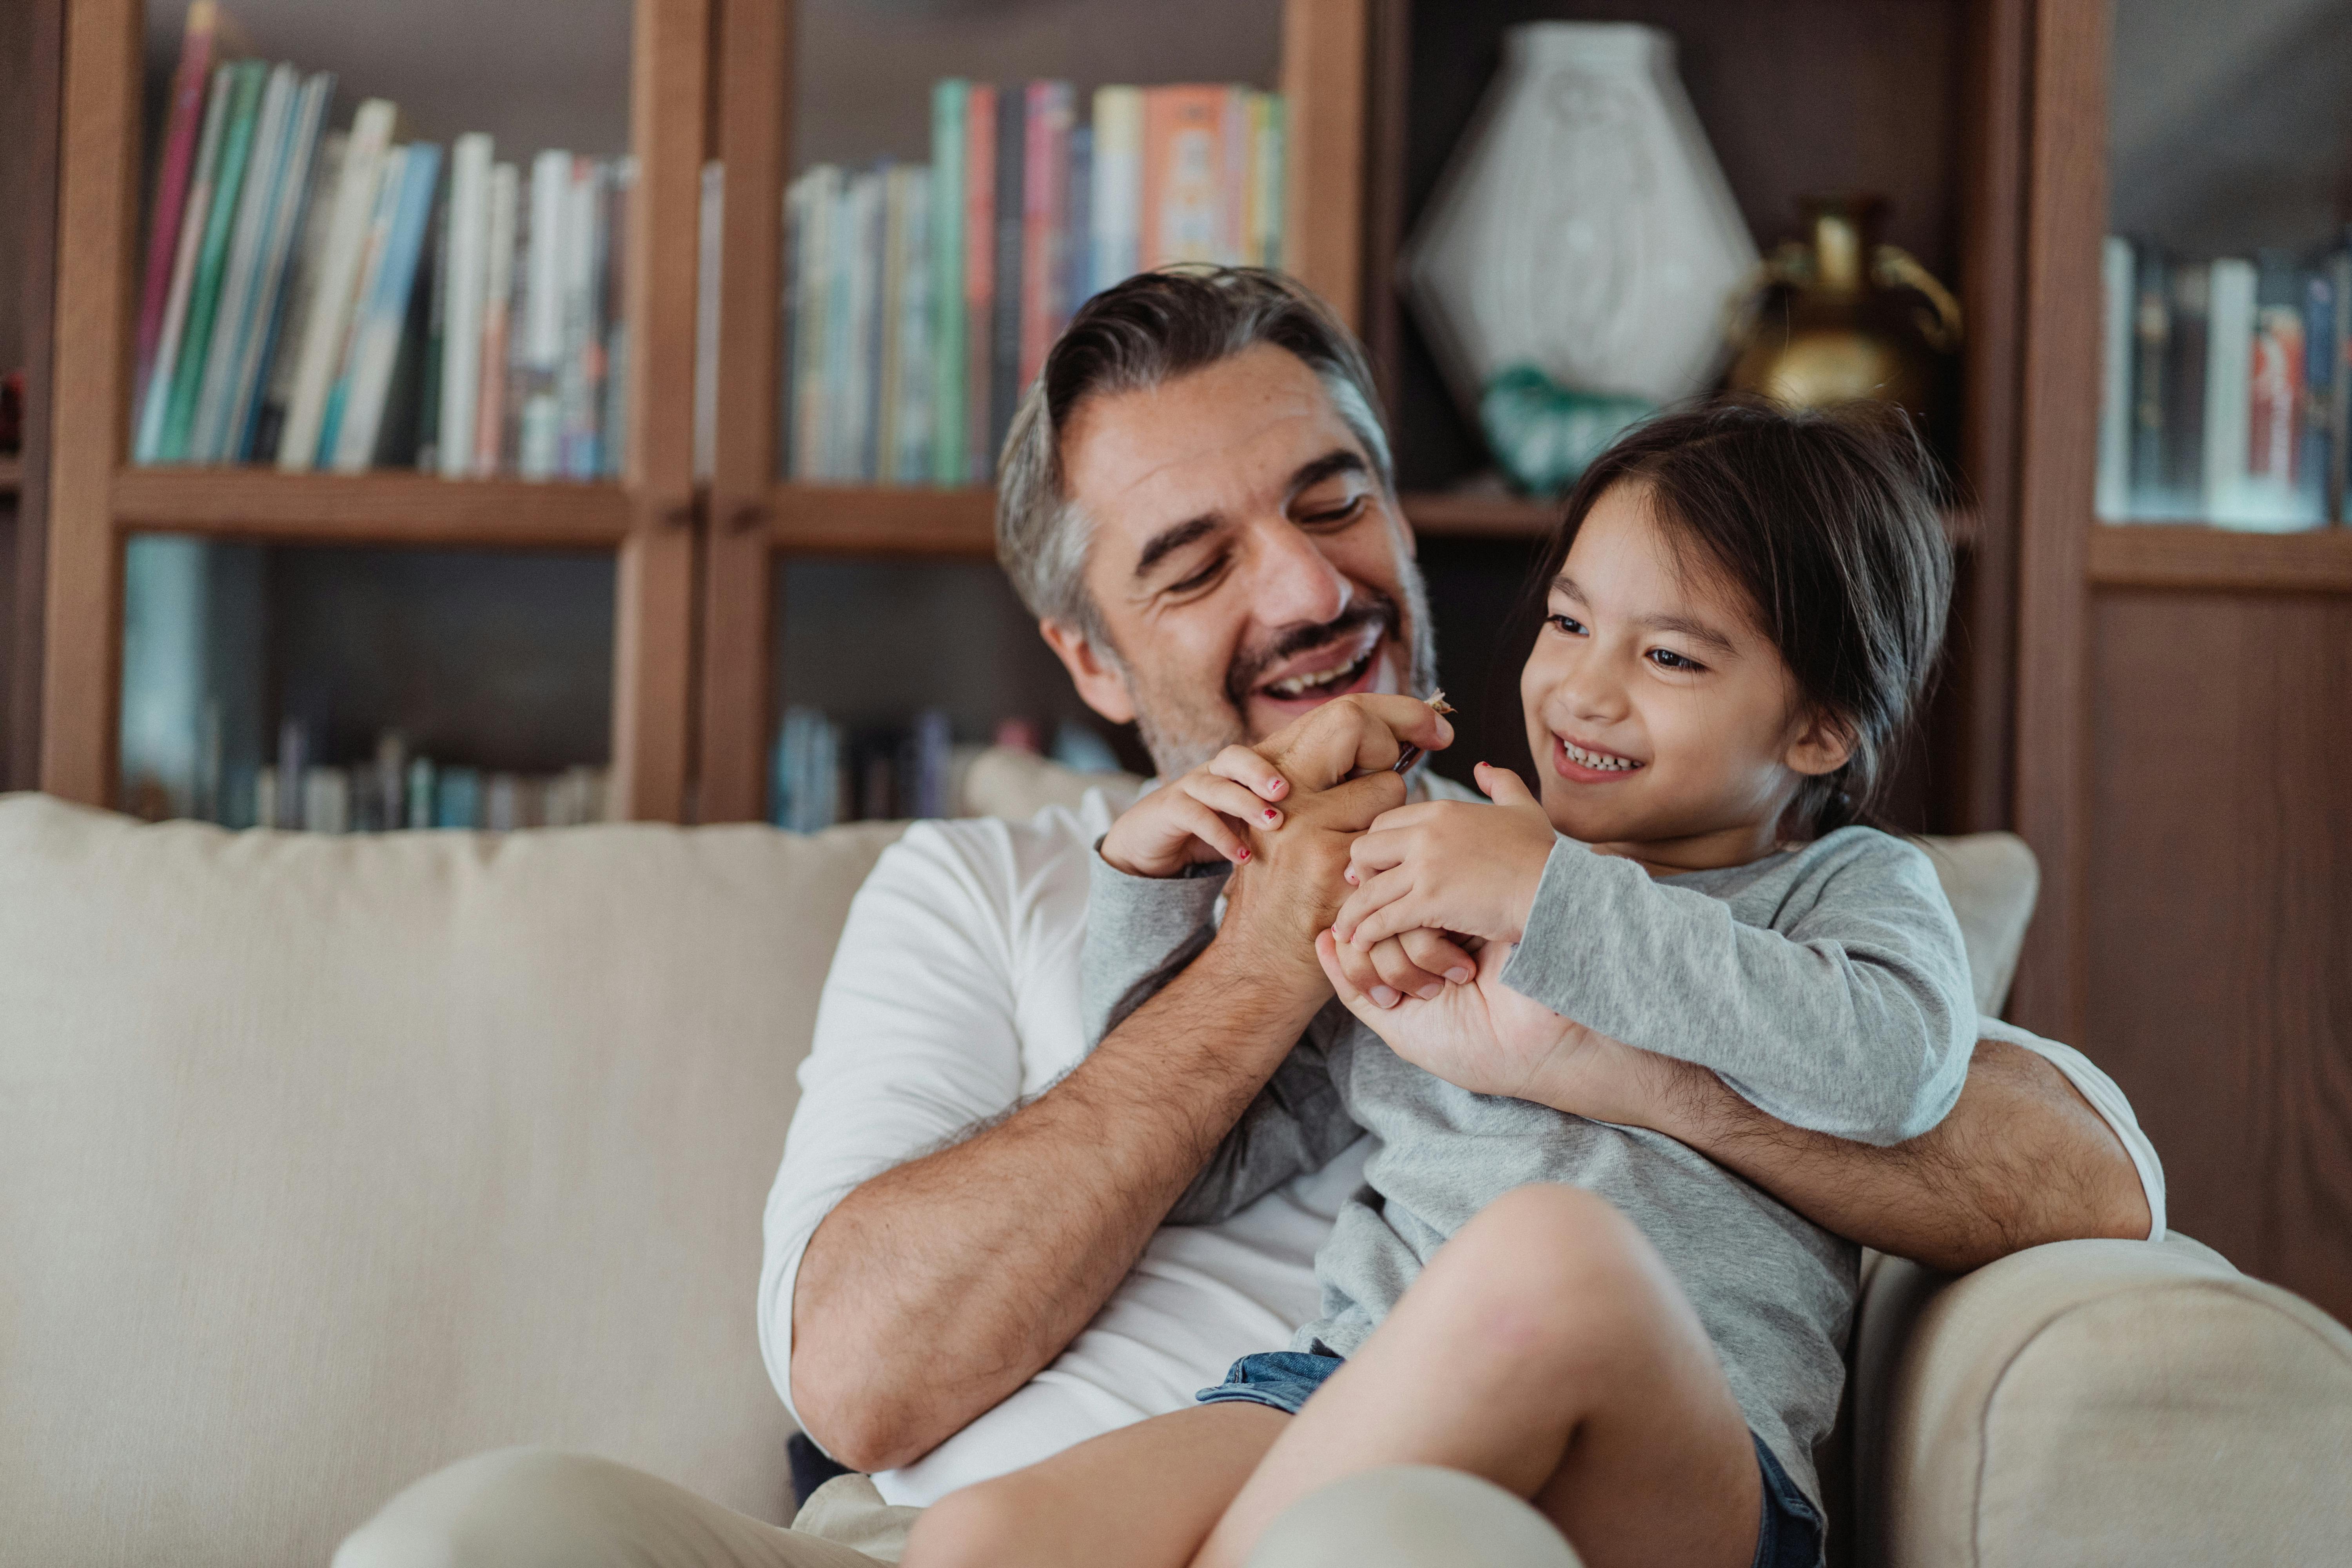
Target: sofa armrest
[[2098, 1401]]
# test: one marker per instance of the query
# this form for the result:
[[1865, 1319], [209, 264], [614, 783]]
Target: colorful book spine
[[1078, 234], [620, 197], [232, 319], [1005, 345], [540, 453], [300, 298], [1045, 223], [2339, 413], [911, 351], [2319, 386], [1117, 204], [2229, 364], [2151, 349], [377, 342], [1184, 170], [200, 41], [580, 375], [2275, 399], [289, 224], [505, 188], [979, 277], [1270, 147], [2113, 490], [709, 240], [948, 466], [327, 329], [463, 309], [147, 442], [211, 261], [381, 223]]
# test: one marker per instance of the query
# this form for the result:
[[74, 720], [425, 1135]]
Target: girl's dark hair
[[1827, 519]]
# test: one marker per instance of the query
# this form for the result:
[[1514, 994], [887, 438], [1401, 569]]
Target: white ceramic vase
[[1583, 226]]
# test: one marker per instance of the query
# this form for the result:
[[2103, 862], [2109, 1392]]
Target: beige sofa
[[325, 1162]]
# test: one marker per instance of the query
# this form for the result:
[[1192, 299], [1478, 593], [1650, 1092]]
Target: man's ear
[[1823, 744], [1102, 683]]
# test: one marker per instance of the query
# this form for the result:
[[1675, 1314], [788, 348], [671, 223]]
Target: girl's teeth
[[1606, 764]]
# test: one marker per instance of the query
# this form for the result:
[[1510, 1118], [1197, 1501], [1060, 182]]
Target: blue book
[[383, 316], [1078, 246], [1004, 335], [2319, 379]]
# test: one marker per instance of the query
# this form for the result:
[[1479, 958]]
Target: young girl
[[1742, 605]]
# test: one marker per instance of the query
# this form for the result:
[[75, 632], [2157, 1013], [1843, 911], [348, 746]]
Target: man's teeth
[[1601, 760], [1300, 685]]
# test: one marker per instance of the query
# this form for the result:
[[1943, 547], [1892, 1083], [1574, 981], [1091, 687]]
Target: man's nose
[[1294, 583]]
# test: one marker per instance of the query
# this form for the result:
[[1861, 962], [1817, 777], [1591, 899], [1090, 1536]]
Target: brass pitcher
[[1847, 322]]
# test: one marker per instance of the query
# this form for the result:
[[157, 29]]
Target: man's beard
[[1180, 735]]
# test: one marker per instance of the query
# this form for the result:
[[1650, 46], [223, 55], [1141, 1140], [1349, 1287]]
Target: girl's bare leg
[[1548, 1349], [1142, 1496]]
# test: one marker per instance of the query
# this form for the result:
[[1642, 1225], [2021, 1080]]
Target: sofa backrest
[[326, 1161]]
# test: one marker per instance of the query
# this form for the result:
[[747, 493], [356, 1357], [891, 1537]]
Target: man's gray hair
[[1143, 333]]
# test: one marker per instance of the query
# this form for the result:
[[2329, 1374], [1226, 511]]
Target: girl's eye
[[1667, 658], [1568, 624]]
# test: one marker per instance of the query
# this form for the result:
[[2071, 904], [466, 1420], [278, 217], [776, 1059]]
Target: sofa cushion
[[325, 1162], [2098, 1401]]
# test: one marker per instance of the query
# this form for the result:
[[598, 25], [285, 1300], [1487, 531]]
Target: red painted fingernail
[[1271, 815], [1244, 855]]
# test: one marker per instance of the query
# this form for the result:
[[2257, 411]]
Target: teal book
[[204, 298], [948, 354]]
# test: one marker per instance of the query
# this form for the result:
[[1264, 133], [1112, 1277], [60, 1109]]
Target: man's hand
[[1487, 1038], [1336, 760], [1451, 866]]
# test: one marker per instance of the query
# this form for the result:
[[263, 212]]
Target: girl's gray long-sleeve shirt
[[1827, 985]]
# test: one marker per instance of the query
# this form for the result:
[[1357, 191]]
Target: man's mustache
[[1372, 608]]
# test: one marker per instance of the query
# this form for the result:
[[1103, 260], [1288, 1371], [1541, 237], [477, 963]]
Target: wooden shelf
[[372, 509], [884, 520], [12, 475], [2190, 555], [1479, 514]]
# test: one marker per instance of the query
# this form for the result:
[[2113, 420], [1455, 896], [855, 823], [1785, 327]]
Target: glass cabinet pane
[[2229, 290]]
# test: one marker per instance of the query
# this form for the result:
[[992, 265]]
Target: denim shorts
[[1789, 1537]]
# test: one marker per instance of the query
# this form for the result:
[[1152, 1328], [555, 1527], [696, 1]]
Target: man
[[965, 1266]]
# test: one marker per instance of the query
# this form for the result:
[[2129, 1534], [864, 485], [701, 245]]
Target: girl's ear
[[1823, 744], [1102, 683]]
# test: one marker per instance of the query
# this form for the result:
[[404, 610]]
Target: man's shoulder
[[992, 864]]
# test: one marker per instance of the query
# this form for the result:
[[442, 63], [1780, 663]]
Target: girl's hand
[[1489, 1039], [1197, 819], [1418, 963], [1450, 866]]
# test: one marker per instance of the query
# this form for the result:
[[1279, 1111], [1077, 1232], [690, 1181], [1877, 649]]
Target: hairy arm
[[2023, 1159], [937, 1289]]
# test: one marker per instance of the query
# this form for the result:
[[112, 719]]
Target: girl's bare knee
[[1547, 1271], [980, 1525]]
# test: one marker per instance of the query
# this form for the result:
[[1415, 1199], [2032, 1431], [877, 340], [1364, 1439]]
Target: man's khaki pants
[[532, 1507]]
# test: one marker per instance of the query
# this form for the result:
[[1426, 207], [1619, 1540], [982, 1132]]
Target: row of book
[[396, 788], [328, 299], [824, 773], [2228, 389], [919, 300]]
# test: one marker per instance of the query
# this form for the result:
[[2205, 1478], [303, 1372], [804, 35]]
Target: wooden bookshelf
[[1327, 50], [2190, 555], [646, 519], [372, 509]]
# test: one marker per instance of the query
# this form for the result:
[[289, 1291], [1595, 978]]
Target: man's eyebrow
[[1338, 460], [1174, 538]]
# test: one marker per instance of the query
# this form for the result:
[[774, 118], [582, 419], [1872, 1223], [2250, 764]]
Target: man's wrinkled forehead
[[1230, 437]]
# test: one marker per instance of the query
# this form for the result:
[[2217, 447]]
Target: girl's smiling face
[[1665, 725]]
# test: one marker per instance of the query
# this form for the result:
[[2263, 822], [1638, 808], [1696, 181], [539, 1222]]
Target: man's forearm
[[2022, 1159], [937, 1289]]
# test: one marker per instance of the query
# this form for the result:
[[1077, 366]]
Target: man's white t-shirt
[[953, 994]]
